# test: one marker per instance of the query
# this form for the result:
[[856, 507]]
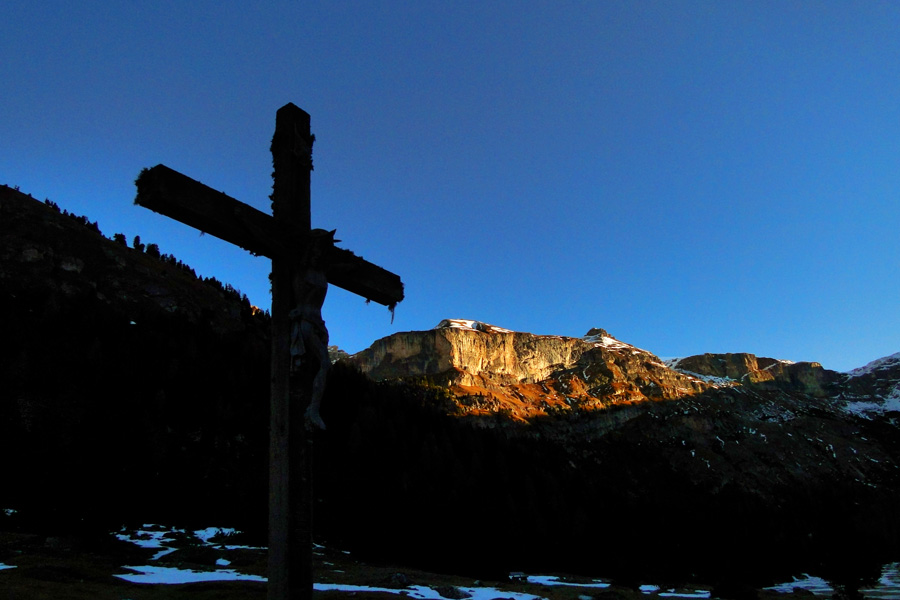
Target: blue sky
[[691, 176]]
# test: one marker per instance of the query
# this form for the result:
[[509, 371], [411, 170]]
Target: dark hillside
[[669, 489], [128, 383]]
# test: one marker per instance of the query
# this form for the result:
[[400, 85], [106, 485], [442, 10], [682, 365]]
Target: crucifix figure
[[304, 262], [309, 336]]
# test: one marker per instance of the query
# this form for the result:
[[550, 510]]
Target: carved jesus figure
[[309, 336]]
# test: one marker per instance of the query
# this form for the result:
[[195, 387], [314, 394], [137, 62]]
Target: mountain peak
[[471, 326], [601, 338], [880, 364]]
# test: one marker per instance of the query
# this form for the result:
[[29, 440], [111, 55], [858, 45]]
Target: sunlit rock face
[[742, 368], [492, 368], [472, 348]]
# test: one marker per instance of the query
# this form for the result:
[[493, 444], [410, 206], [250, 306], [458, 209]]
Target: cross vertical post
[[290, 445]]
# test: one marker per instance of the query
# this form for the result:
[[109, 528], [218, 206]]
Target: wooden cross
[[299, 260]]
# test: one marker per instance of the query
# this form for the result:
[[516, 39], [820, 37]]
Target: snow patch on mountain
[[712, 380], [876, 405], [880, 381], [597, 337], [607, 341], [781, 361], [471, 326], [672, 363], [868, 409], [600, 338], [879, 364]]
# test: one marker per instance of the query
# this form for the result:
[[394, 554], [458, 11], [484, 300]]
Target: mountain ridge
[[495, 369]]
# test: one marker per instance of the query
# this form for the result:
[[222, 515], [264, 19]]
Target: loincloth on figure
[[306, 332]]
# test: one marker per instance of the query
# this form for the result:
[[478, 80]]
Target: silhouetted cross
[[304, 262]]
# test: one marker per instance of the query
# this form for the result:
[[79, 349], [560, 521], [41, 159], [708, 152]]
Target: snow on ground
[[204, 535], [166, 540], [154, 574], [887, 588], [8, 512], [674, 593], [154, 536], [807, 582], [550, 580], [890, 575], [889, 580], [421, 592]]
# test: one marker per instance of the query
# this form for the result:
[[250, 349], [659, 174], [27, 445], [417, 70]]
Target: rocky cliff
[[760, 372], [492, 369]]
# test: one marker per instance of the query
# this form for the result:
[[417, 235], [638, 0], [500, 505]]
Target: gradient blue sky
[[691, 176]]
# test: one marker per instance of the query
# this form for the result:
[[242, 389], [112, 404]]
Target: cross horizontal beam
[[168, 192]]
